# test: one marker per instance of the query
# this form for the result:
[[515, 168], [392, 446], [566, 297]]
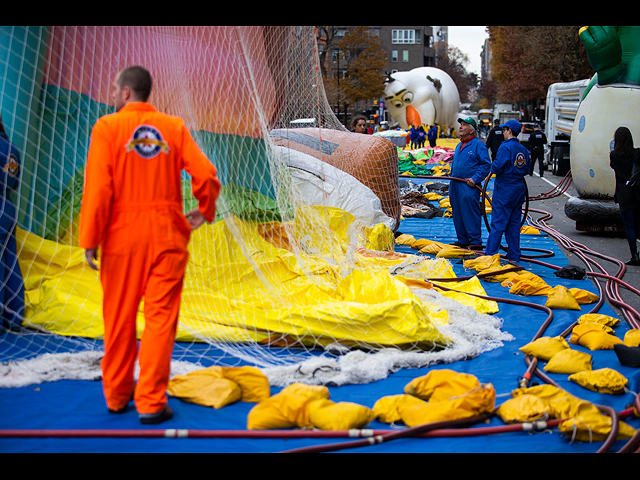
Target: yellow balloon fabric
[[266, 287]]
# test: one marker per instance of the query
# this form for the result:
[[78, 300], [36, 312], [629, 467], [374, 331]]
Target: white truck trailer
[[563, 101]]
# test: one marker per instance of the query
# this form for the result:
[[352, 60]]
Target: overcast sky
[[470, 41]]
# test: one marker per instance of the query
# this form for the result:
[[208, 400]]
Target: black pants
[[631, 220], [537, 154]]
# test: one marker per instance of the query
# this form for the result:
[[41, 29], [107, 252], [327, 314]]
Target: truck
[[563, 101], [505, 112]]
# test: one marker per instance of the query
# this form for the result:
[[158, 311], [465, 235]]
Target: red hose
[[273, 434]]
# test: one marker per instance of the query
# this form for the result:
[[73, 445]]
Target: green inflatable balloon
[[614, 53]]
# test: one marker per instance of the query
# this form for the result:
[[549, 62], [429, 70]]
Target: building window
[[394, 55], [405, 56], [408, 37]]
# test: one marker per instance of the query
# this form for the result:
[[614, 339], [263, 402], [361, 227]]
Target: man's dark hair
[[138, 79]]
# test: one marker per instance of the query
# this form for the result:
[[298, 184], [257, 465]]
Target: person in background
[[422, 137], [11, 281], [495, 139], [359, 125], [433, 136], [537, 141], [413, 136], [471, 163], [622, 159], [509, 194]]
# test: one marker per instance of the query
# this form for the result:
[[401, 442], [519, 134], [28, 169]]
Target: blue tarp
[[80, 405]]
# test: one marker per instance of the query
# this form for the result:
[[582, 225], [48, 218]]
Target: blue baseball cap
[[513, 125]]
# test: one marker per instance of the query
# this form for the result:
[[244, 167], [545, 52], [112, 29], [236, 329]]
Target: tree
[[452, 61], [528, 59], [352, 64]]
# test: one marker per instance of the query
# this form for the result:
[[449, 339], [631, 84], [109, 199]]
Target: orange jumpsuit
[[132, 208]]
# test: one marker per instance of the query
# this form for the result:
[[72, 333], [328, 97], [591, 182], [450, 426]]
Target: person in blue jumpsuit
[[11, 281], [472, 164], [512, 164]]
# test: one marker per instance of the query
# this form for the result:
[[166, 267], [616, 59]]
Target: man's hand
[[470, 182], [92, 256], [196, 219]]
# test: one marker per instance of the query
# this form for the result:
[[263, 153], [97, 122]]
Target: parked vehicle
[[563, 101]]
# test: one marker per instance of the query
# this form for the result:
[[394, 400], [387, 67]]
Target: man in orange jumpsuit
[[132, 209]]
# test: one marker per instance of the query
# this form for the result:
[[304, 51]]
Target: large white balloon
[[602, 112], [423, 96]]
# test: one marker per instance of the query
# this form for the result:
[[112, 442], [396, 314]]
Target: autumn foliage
[[528, 59]]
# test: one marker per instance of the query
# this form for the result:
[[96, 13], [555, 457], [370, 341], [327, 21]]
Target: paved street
[[613, 245]]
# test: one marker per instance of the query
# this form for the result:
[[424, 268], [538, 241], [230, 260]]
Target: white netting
[[300, 257]]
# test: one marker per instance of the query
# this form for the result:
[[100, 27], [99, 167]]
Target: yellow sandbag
[[605, 380], [433, 196], [521, 409], [253, 383], [587, 423], [483, 263], [528, 230], [439, 385], [594, 337], [404, 239], [432, 249], [421, 243], [327, 415], [470, 404], [632, 338], [545, 348], [498, 276], [569, 362], [599, 318], [561, 298], [287, 409], [527, 284], [387, 408], [583, 297], [445, 203], [451, 252], [546, 393], [205, 387], [218, 387]]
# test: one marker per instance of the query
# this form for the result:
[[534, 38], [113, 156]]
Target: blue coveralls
[[469, 161], [512, 164], [11, 281]]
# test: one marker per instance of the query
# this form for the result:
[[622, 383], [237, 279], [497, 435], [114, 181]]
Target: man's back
[[135, 162]]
